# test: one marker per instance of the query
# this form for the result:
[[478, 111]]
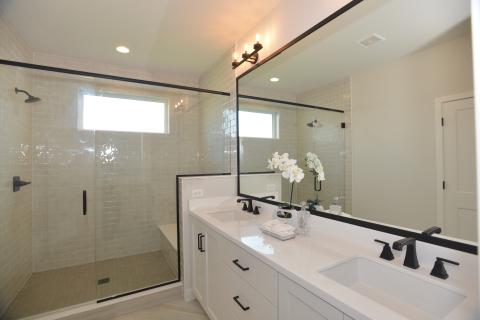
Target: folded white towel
[[270, 224], [279, 228]]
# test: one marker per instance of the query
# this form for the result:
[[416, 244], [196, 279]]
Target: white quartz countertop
[[328, 243]]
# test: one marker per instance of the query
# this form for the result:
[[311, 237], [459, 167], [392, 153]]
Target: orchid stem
[[291, 194]]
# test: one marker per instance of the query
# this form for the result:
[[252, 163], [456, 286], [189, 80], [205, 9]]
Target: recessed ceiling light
[[123, 49], [274, 79]]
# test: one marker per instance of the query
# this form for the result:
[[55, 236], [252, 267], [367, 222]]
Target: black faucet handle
[[245, 207], [387, 253], [256, 211], [439, 270], [448, 261], [432, 230]]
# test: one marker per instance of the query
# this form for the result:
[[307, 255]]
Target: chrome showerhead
[[314, 124], [30, 98]]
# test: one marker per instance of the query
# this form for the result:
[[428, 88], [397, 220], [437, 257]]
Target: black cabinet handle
[[198, 241], [235, 262], [240, 304], [201, 242], [84, 202]]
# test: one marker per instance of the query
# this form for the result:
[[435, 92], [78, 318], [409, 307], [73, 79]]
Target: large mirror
[[376, 107]]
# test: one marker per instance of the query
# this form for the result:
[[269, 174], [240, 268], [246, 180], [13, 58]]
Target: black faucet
[[411, 260], [268, 197], [249, 207], [431, 231]]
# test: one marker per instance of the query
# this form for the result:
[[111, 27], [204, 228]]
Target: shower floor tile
[[54, 289]]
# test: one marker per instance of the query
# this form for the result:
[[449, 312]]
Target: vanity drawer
[[256, 273], [242, 301]]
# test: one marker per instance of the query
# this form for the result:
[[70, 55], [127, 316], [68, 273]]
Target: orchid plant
[[289, 169], [313, 163]]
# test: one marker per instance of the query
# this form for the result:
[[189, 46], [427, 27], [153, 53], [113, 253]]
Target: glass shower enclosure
[[95, 217]]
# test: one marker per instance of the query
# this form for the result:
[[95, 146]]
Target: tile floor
[[176, 310], [55, 289]]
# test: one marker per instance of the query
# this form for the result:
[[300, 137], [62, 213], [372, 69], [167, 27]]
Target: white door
[[460, 211]]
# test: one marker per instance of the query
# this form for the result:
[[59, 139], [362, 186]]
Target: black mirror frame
[[443, 242]]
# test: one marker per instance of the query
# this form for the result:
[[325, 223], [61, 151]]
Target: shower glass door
[[136, 160], [53, 234]]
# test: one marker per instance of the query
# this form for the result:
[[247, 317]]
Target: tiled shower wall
[[15, 159], [129, 177], [218, 119], [332, 145]]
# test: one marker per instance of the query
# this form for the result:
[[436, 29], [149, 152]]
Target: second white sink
[[231, 216], [399, 290]]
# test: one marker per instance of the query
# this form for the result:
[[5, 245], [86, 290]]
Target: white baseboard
[[188, 295]]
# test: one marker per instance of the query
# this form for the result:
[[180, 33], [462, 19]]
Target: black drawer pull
[[240, 304], [201, 242], [235, 262]]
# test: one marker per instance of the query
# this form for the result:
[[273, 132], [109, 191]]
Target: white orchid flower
[[313, 162]]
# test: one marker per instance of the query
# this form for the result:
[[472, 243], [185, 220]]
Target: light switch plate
[[197, 193]]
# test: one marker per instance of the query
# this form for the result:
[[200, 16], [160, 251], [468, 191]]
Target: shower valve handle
[[17, 183]]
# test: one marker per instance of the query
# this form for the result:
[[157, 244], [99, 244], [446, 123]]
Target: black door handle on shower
[[84, 202]]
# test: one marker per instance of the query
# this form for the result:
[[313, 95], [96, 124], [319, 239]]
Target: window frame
[[275, 122], [109, 94]]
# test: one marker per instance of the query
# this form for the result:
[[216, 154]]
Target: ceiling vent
[[371, 40]]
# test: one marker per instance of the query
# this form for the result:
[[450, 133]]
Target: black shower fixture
[[251, 57], [314, 124], [30, 98]]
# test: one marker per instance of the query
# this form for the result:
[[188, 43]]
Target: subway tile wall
[[129, 177], [15, 159], [334, 144], [218, 119]]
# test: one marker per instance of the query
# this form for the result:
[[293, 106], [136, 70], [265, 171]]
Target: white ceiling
[[333, 52], [184, 36]]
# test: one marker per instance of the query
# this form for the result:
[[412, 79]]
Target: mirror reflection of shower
[[30, 98]]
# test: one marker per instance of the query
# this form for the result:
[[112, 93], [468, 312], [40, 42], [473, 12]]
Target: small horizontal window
[[127, 114], [254, 124]]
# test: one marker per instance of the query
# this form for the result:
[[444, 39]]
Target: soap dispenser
[[303, 220]]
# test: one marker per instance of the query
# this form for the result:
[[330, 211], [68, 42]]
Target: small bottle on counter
[[303, 220]]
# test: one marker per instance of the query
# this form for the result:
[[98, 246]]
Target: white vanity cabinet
[[199, 267], [218, 286], [297, 303], [232, 284]]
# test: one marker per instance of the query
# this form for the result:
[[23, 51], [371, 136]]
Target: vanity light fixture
[[251, 57], [274, 79], [122, 49]]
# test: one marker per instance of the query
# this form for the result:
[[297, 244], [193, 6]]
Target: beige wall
[[15, 159], [393, 132]]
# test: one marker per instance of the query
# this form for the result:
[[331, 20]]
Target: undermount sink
[[399, 290], [230, 215]]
